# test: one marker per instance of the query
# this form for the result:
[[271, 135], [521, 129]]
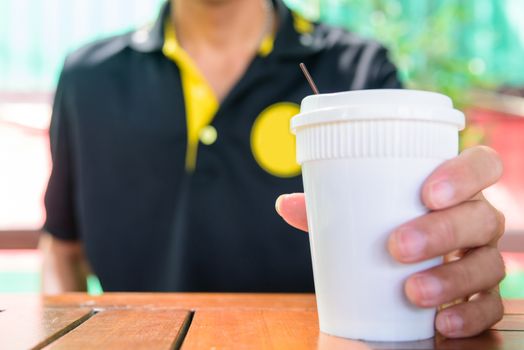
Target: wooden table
[[201, 321]]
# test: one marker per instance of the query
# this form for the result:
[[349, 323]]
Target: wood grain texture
[[256, 329], [490, 340], [222, 321], [262, 329], [194, 301], [31, 326], [125, 329], [513, 322], [281, 329]]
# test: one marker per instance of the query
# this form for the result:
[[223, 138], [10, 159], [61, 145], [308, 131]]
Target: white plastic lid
[[375, 105]]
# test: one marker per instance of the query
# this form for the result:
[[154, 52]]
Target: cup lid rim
[[377, 104], [378, 112]]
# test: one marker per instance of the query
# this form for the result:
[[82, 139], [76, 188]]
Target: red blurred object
[[500, 120], [24, 160]]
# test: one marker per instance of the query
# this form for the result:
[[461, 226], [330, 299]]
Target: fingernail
[[429, 288], [441, 193], [410, 243], [449, 323], [277, 203]]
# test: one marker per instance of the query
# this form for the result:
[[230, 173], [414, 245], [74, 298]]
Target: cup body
[[363, 167]]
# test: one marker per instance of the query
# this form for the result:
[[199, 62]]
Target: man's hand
[[464, 227]]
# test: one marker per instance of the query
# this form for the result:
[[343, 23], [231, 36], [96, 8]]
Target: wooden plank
[[31, 326], [490, 340], [274, 321], [198, 301], [194, 301], [510, 323], [275, 329], [255, 329], [228, 329], [125, 329]]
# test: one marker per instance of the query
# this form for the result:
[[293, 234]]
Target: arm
[[64, 267]]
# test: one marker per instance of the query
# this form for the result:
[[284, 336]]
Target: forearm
[[64, 267]]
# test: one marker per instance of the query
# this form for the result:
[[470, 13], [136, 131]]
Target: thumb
[[292, 208]]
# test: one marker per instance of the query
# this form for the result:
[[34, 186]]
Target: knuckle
[[463, 275], [473, 318], [499, 307], [480, 314], [500, 267], [475, 326], [494, 308], [490, 218], [446, 231], [484, 163], [493, 265], [501, 223], [488, 315], [493, 160], [484, 149]]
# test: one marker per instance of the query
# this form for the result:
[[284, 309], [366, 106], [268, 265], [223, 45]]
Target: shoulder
[[364, 62], [337, 39], [97, 55], [89, 72], [337, 45]]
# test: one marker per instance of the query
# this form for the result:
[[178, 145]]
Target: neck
[[220, 23]]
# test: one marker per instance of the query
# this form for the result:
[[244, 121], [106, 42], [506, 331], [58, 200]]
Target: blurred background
[[471, 50]]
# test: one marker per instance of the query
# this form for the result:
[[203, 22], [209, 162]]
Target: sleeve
[[375, 70], [59, 197]]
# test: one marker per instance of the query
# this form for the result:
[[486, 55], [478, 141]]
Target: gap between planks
[[65, 330]]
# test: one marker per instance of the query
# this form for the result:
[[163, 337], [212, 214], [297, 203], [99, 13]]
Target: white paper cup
[[364, 156]]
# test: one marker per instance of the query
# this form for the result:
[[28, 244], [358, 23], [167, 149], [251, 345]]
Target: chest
[[222, 70], [146, 114]]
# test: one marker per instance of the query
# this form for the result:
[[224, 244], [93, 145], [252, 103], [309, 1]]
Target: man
[[171, 143]]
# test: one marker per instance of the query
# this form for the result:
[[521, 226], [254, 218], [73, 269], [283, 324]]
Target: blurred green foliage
[[426, 48], [448, 46]]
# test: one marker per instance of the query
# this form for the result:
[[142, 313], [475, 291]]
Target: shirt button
[[208, 135]]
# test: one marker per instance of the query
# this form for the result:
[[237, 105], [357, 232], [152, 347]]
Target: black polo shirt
[[119, 182]]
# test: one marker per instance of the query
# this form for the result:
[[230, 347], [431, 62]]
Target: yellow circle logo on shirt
[[272, 143]]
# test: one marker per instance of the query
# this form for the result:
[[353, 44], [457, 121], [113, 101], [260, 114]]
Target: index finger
[[461, 178]]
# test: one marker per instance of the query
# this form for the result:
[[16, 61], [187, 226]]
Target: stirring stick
[[309, 79]]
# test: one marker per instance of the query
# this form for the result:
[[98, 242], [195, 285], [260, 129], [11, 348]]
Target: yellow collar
[[172, 48]]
